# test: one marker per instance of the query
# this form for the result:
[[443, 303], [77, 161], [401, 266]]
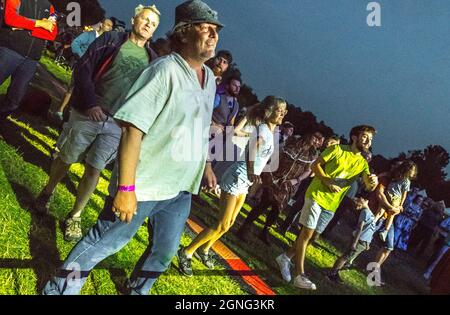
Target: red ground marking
[[236, 264]]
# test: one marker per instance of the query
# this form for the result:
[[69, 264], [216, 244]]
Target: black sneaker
[[41, 204], [205, 258], [335, 277], [185, 265]]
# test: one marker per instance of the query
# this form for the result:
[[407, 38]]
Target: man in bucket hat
[[149, 181]]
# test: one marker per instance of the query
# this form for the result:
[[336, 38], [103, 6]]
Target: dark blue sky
[[322, 56]]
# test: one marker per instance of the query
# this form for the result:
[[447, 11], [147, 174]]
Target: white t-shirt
[[265, 150]]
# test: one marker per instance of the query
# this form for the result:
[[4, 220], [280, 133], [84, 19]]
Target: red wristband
[[127, 188]]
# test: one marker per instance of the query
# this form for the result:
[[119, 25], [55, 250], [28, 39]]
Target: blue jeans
[[167, 219], [21, 70]]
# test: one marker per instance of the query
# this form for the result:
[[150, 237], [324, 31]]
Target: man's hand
[[294, 182], [372, 180], [96, 114], [255, 179], [125, 205], [209, 177], [45, 24], [331, 185]]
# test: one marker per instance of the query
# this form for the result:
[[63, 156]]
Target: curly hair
[[401, 171]]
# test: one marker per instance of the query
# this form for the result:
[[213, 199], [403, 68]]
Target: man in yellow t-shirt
[[336, 168]]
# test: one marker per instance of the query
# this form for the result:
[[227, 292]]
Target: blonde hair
[[261, 112], [152, 8]]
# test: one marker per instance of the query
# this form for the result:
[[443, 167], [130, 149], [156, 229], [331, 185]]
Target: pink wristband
[[127, 188]]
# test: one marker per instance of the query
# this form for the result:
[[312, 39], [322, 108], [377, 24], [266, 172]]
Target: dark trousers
[[266, 202], [420, 239], [293, 212], [345, 204], [21, 70]]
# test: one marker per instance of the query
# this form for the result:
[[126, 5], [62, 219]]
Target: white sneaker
[[302, 282], [284, 263]]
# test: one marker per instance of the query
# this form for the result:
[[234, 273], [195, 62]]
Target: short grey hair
[[152, 8]]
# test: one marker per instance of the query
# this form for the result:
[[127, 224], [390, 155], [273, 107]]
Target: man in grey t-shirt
[[115, 60]]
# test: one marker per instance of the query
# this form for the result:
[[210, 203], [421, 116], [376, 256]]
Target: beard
[[361, 148]]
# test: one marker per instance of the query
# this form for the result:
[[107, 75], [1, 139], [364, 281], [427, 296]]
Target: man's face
[[145, 24], [317, 141], [220, 65], [107, 25], [287, 131], [364, 141], [233, 88], [203, 38]]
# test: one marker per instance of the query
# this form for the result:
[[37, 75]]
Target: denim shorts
[[95, 142], [235, 181], [389, 243], [314, 217]]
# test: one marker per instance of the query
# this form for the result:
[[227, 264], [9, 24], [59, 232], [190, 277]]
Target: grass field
[[32, 246]]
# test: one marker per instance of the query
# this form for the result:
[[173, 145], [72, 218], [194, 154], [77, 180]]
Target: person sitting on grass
[[236, 181], [363, 236], [396, 192]]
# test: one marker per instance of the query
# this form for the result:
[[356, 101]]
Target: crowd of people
[[127, 96]]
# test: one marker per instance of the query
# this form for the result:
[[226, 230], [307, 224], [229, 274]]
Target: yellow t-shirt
[[344, 167]]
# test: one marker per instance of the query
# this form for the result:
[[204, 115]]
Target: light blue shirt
[[369, 227], [174, 112]]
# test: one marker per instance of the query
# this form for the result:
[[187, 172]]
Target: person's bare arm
[[370, 181], [253, 148], [238, 130], [129, 150], [317, 169], [209, 176], [402, 202], [358, 235], [384, 202]]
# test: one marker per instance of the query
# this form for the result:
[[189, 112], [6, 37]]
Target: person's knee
[[91, 172], [306, 234], [223, 227]]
